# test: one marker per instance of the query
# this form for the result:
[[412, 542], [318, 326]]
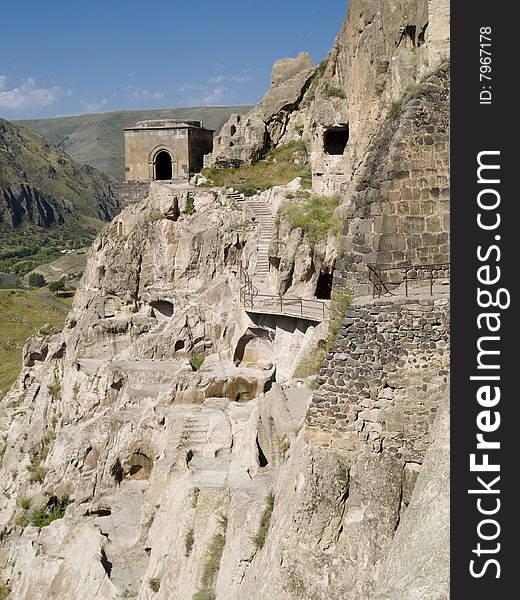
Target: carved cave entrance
[[335, 140], [163, 166]]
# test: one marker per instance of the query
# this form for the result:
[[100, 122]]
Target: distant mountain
[[97, 139], [46, 197]]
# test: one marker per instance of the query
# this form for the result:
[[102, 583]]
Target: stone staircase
[[264, 217], [31, 393]]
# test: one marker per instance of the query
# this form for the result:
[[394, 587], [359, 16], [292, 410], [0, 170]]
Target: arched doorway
[[163, 166]]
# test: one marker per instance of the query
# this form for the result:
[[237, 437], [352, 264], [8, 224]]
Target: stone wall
[[400, 211], [382, 381], [134, 191]]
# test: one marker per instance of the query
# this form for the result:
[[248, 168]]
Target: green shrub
[[43, 516], [331, 91], [196, 362], [54, 390], [265, 520], [189, 209], [189, 540], [36, 280], [195, 496], [24, 502], [314, 215], [57, 286], [211, 563], [204, 595], [36, 472], [154, 584]]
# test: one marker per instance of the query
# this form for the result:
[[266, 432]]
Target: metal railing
[[252, 299], [424, 272]]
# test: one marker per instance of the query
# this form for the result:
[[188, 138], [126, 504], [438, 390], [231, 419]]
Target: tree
[[57, 286], [36, 280]]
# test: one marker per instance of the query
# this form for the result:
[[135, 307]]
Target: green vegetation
[[54, 389], [41, 516], [37, 473], [195, 496], [196, 362], [212, 559], [27, 247], [36, 280], [57, 286], [283, 444], [154, 584], [5, 590], [315, 216], [189, 540], [23, 313], [265, 520], [189, 209], [331, 91], [204, 595], [311, 365], [280, 166]]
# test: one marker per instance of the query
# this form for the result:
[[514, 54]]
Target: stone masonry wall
[[400, 212], [382, 381]]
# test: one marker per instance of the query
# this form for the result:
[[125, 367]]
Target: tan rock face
[[170, 417]]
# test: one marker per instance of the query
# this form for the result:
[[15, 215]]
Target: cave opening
[[324, 286], [163, 307], [335, 140], [262, 459]]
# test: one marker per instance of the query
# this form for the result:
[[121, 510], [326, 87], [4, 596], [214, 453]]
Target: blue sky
[[62, 57]]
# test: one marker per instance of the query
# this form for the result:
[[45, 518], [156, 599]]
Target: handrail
[[375, 275], [252, 299]]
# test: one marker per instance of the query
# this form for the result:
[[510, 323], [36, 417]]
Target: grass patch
[[331, 91], [23, 313], [43, 515], [265, 520], [277, 168], [189, 540], [204, 595], [314, 215], [196, 362], [195, 496], [5, 590], [212, 559]]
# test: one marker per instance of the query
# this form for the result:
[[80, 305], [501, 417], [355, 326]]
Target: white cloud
[[142, 94], [27, 95], [96, 105], [216, 90], [217, 79]]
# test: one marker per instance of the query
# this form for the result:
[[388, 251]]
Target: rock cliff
[[41, 185], [161, 446]]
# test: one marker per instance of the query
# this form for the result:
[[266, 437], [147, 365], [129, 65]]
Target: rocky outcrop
[[244, 139]]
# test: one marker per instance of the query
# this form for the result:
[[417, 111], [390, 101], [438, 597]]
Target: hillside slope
[[45, 195], [97, 139]]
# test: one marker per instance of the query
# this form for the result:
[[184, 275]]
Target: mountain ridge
[[97, 138]]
